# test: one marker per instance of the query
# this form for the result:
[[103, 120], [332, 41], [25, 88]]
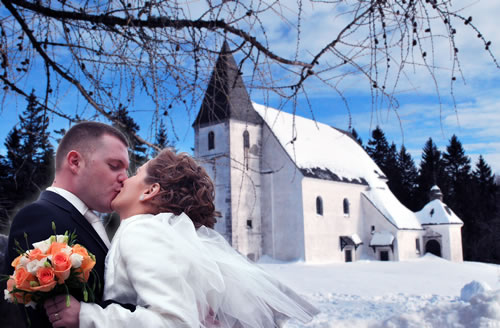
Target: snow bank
[[483, 310], [428, 292]]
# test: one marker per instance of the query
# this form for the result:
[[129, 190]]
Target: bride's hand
[[61, 315]]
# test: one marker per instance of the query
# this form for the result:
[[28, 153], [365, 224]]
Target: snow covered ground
[[428, 292]]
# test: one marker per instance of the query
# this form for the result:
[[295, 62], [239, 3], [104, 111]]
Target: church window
[[319, 205], [417, 245], [373, 230], [249, 224], [211, 140], [246, 139], [346, 207], [246, 146]]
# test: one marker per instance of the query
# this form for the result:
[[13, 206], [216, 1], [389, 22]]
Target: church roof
[[226, 95], [323, 152], [382, 238], [437, 212]]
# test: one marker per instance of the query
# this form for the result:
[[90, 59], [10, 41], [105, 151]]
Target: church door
[[384, 256], [348, 255], [433, 247]]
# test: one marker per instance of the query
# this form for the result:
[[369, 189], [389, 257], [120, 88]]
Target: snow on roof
[[437, 212], [392, 209], [434, 187], [324, 152], [356, 239], [382, 238], [314, 145]]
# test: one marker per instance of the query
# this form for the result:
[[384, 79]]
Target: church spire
[[226, 95]]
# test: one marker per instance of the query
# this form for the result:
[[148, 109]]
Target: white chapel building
[[295, 189]]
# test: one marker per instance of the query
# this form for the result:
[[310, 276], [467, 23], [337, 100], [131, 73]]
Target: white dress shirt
[[91, 217]]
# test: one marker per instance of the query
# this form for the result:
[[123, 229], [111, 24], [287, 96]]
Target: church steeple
[[226, 95]]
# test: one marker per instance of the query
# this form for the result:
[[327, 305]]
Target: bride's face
[[128, 201]]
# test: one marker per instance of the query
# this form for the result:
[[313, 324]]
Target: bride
[[167, 261]]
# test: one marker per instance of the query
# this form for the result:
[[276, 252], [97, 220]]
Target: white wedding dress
[[181, 277]]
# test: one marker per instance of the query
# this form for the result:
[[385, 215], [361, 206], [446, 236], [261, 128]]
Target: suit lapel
[[79, 220]]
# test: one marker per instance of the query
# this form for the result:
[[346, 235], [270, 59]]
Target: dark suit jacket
[[36, 220]]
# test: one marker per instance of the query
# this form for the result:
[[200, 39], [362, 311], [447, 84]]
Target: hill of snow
[[426, 293]]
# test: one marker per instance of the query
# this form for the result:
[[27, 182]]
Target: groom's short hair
[[82, 137]]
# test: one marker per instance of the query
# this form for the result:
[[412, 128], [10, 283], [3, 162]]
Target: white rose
[[43, 245], [62, 239], [66, 250], [23, 262], [76, 260], [34, 265], [7, 296]]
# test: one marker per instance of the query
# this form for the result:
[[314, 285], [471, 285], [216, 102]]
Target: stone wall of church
[[450, 240], [246, 188], [456, 252], [323, 230], [217, 164], [407, 244], [282, 213], [374, 221]]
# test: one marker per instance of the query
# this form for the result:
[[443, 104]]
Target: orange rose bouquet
[[52, 267]]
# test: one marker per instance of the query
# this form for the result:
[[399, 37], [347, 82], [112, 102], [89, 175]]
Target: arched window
[[319, 205], [246, 146], [246, 139], [346, 207], [211, 140]]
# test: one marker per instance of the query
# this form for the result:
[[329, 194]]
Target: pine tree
[[162, 141], [8, 194], [4, 200], [391, 169], [378, 148], [29, 162], [484, 205], [457, 167], [408, 179], [430, 173], [484, 181], [460, 195], [137, 150], [356, 136]]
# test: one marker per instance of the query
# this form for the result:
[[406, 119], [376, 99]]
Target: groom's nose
[[123, 176]]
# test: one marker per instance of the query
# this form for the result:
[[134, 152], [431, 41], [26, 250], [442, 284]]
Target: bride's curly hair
[[185, 187]]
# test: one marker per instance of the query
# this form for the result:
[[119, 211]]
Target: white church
[[295, 189]]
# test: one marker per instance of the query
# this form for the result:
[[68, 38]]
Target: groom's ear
[[74, 161], [151, 192]]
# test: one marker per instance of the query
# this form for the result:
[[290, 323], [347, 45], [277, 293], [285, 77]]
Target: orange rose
[[87, 263], [37, 254], [55, 248], [46, 279], [79, 249], [62, 266], [23, 278], [16, 261], [87, 266], [23, 299]]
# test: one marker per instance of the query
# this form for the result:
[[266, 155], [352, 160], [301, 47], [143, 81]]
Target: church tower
[[227, 143]]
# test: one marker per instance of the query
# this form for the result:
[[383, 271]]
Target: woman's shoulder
[[145, 226]]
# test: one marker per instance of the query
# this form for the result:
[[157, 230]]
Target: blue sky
[[474, 119]]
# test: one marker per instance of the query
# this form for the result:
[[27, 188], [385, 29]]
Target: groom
[[91, 165]]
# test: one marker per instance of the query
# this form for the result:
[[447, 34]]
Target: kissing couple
[[166, 265]]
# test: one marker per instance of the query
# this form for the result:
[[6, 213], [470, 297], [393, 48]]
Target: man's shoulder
[[41, 213], [48, 202]]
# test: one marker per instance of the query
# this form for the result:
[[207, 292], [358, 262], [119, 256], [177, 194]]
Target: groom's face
[[103, 174]]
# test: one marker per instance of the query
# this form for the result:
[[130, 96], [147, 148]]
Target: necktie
[[96, 223]]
